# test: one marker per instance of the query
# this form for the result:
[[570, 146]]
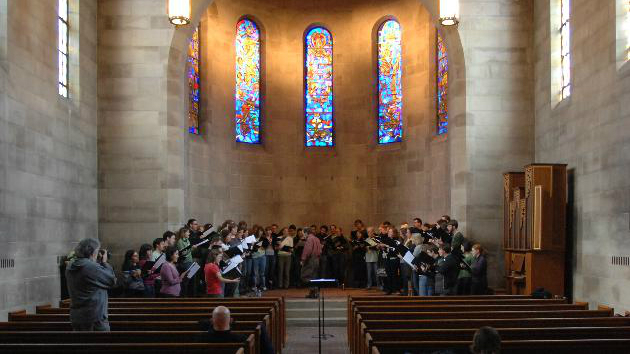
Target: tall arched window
[[247, 98], [389, 83], [62, 20], [565, 47], [193, 83], [442, 86], [623, 32], [319, 87]]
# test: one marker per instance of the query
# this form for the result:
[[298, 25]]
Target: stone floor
[[302, 334], [303, 340]]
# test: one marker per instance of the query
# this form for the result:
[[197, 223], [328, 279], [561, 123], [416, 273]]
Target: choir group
[[234, 260]]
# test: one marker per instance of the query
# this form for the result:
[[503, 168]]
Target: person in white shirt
[[285, 250], [158, 247]]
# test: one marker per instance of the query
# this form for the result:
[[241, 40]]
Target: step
[[312, 322], [312, 313], [313, 303]]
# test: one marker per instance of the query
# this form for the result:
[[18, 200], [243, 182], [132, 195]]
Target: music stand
[[321, 324]]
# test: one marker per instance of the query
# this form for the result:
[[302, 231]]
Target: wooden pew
[[461, 334], [123, 348], [278, 301], [470, 314], [441, 300], [250, 347], [430, 324], [272, 326], [22, 316], [450, 324], [116, 326], [572, 346]]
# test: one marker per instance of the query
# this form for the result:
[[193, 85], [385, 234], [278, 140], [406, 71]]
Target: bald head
[[221, 318]]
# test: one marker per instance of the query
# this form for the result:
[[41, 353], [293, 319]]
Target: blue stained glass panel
[[442, 86], [389, 83], [319, 88], [193, 83], [247, 96]]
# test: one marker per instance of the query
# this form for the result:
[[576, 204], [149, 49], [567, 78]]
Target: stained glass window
[[247, 98], [319, 87], [63, 47], [389, 83], [565, 47], [627, 27], [442, 86], [193, 83]]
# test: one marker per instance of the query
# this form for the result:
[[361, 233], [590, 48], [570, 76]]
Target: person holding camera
[[89, 277]]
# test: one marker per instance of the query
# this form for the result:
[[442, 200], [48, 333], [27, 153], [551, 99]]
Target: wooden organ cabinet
[[534, 230]]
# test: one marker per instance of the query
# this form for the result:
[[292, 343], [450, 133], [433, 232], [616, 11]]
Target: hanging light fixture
[[449, 12], [178, 12]]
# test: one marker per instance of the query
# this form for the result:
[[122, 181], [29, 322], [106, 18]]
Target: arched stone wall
[[378, 185], [491, 131]]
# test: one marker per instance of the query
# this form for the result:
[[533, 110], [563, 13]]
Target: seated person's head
[[486, 341], [221, 318]]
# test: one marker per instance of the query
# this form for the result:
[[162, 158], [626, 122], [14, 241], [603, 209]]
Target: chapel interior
[[528, 112]]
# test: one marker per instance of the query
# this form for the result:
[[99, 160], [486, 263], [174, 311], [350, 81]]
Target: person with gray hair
[[89, 277]]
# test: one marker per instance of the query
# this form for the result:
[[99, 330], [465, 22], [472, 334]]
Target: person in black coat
[[392, 262], [479, 271], [337, 254], [449, 269], [359, 247]]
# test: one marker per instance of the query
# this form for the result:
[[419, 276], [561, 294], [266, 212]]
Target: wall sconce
[[449, 12], [178, 12]]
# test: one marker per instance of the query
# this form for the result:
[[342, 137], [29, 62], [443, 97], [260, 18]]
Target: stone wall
[[499, 122], [48, 158], [491, 123], [281, 180], [132, 128], [589, 132]]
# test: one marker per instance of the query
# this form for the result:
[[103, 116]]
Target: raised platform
[[300, 293]]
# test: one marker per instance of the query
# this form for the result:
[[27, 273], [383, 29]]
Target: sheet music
[[159, 261], [250, 239], [371, 242], [323, 280], [232, 263], [202, 242], [192, 270], [205, 234], [408, 258]]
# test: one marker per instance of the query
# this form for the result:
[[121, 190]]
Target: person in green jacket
[[185, 260], [464, 279], [183, 241], [457, 237]]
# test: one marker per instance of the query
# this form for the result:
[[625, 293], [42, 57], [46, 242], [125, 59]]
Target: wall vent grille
[[7, 263], [621, 260]]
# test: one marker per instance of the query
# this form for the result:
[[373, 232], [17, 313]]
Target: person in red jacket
[[310, 260], [213, 275]]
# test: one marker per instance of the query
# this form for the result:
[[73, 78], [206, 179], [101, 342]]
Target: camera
[[102, 252]]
